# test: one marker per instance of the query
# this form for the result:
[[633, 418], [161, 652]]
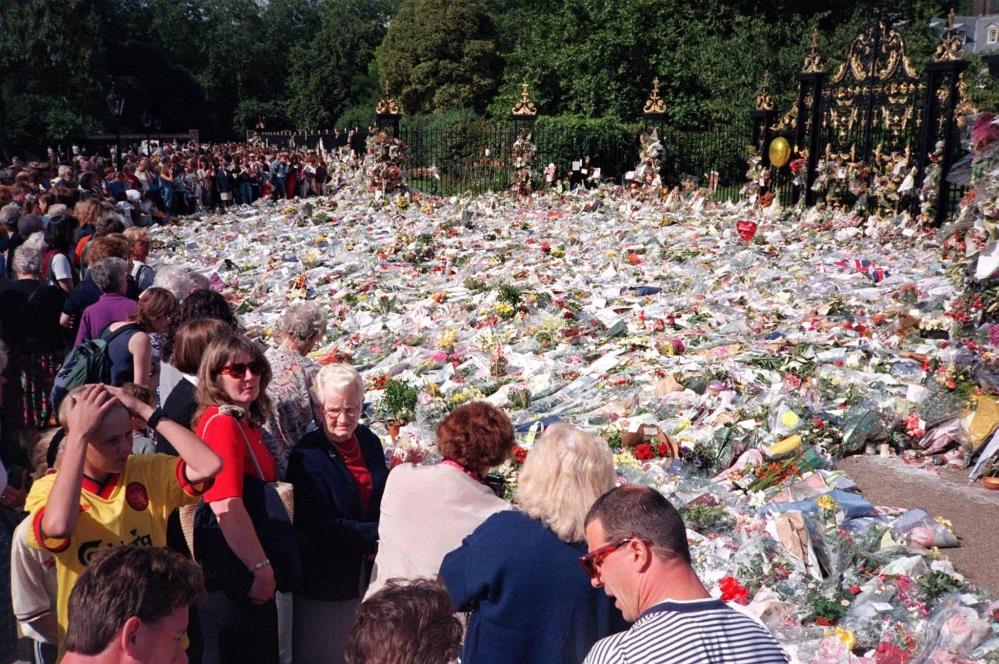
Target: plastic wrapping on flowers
[[727, 373]]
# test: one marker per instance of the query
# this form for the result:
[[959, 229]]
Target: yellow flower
[[625, 460], [847, 637], [504, 310], [826, 503], [448, 338], [946, 523]]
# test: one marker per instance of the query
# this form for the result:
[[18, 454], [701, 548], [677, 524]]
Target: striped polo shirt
[[706, 631]]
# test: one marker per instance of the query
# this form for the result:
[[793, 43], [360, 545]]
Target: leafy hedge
[[610, 144]]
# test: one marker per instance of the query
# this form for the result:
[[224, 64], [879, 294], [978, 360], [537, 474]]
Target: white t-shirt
[[60, 268], [32, 581]]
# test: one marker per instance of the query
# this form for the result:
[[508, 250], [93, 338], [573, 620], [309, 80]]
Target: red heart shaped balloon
[[746, 229]]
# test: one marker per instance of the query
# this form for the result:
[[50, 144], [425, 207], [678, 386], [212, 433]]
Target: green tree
[[50, 70], [327, 72], [439, 55]]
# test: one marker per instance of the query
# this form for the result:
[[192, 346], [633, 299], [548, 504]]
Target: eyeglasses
[[239, 369], [334, 413], [592, 561]]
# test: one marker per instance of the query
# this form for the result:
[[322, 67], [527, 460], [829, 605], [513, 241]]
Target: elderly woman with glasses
[[339, 475], [239, 618], [519, 572]]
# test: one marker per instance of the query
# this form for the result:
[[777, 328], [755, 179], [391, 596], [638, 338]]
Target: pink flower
[[984, 131]]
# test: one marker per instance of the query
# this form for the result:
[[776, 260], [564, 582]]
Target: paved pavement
[[946, 492]]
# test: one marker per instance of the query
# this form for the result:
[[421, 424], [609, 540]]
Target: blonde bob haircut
[[563, 475], [336, 378]]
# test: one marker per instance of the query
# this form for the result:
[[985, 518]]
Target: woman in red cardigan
[[237, 626]]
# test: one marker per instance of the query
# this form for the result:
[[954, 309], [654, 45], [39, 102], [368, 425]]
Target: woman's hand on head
[[87, 409]]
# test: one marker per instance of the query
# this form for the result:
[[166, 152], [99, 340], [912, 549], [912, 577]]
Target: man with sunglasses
[[638, 554]]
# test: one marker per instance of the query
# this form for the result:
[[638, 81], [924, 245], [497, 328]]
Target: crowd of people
[[214, 500], [176, 179]]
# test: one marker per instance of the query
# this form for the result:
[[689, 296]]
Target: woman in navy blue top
[[519, 573], [130, 350], [339, 474]]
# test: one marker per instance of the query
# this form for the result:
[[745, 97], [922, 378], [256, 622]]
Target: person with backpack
[[56, 265], [111, 276], [131, 353], [142, 272]]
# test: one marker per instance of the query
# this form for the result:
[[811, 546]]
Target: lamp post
[[116, 104], [147, 123]]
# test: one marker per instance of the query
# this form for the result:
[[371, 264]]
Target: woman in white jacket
[[427, 511]]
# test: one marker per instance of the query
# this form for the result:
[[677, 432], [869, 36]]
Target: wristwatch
[[155, 418]]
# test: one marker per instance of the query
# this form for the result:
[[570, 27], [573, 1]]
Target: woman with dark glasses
[[519, 574], [239, 619]]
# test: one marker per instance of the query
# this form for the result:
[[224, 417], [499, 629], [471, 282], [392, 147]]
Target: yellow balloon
[[780, 151]]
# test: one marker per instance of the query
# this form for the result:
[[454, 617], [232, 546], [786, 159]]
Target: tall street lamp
[[147, 123], [116, 103]]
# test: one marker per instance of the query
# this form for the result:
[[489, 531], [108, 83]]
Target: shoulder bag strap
[[249, 449], [110, 336]]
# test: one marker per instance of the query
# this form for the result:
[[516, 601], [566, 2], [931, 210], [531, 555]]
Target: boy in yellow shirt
[[103, 497]]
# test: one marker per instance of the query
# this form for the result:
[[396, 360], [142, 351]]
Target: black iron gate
[[872, 104], [874, 112]]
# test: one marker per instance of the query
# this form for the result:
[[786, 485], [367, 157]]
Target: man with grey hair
[[180, 280], [111, 276], [29, 316]]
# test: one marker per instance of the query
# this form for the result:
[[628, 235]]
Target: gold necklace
[[344, 453]]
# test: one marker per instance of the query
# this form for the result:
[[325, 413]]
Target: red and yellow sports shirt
[[130, 508]]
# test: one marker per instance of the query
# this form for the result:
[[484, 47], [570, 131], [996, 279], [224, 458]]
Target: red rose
[[663, 449], [643, 452], [733, 591], [519, 453]]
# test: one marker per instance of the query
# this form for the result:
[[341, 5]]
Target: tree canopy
[[222, 65]]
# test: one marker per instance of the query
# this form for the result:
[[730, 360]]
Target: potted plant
[[399, 405]]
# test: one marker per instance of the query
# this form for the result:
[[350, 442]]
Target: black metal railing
[[474, 157]]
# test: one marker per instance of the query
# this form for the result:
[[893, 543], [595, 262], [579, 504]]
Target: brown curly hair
[[88, 211], [477, 435], [406, 622], [109, 246]]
